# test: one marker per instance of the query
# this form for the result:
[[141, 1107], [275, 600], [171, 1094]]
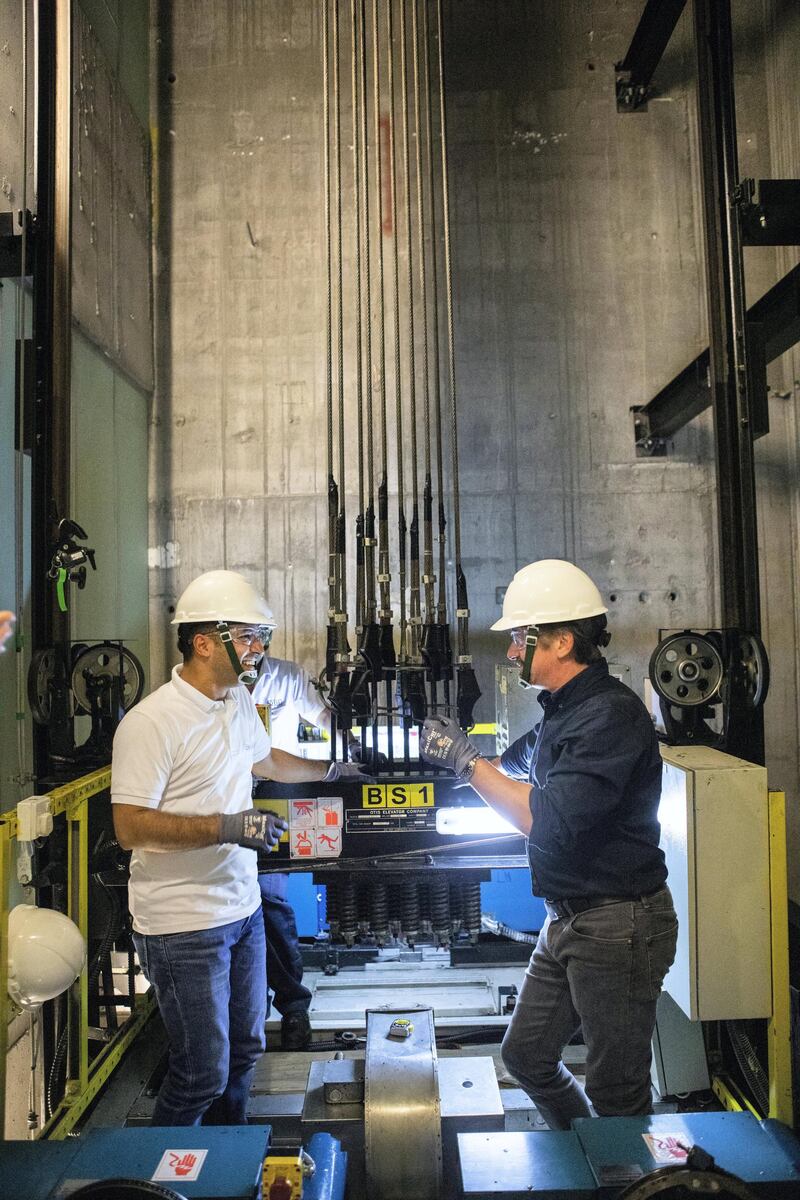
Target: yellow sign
[[280, 808], [263, 711], [397, 795]]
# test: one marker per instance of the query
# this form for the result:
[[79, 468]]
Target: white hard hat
[[46, 953], [549, 591], [223, 596]]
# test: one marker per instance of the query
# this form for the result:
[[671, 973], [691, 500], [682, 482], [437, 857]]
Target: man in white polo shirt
[[181, 789]]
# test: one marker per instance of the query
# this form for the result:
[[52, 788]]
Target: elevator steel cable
[[365, 687], [402, 529], [338, 659], [467, 691], [435, 642], [412, 679], [387, 650]]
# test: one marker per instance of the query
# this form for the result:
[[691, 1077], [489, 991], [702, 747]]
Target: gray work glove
[[355, 752], [348, 770], [444, 743], [253, 829]]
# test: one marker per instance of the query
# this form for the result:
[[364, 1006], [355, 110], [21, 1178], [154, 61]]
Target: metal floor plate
[[344, 997]]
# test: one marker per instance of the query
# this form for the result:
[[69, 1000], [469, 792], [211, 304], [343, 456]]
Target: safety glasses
[[248, 637]]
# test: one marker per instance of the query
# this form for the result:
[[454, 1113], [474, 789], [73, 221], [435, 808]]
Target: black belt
[[562, 910]]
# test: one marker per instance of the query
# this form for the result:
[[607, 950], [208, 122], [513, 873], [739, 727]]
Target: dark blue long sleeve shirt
[[595, 769]]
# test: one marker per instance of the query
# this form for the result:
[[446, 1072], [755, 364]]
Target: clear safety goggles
[[261, 634], [519, 636]]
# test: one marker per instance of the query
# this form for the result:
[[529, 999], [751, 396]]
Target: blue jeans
[[601, 970], [211, 988], [284, 961]]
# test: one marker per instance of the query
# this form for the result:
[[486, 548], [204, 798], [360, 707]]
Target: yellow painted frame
[[779, 1050], [779, 1047], [84, 1079]]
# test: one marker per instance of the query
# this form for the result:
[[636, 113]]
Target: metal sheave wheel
[[106, 658], [681, 1183], [686, 670]]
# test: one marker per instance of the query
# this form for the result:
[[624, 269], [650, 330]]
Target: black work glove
[[348, 770], [444, 743], [253, 829]]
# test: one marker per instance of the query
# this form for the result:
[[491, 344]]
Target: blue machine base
[[231, 1168], [602, 1156]]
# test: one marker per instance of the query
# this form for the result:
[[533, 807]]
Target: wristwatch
[[466, 775]]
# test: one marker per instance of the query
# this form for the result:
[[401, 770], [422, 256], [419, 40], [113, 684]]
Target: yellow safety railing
[[84, 1078]]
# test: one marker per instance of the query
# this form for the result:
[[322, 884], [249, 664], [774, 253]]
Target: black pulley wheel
[[125, 1189], [681, 1183], [687, 670], [755, 664], [105, 659], [40, 680]]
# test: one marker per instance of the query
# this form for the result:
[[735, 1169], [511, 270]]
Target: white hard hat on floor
[[549, 591], [223, 596], [46, 953]]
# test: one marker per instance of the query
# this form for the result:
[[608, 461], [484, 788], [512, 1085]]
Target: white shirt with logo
[[286, 688], [180, 752]]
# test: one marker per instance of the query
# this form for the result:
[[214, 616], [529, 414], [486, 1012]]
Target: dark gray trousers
[[601, 970]]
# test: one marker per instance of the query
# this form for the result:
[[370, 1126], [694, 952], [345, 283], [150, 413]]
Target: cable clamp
[[464, 660], [368, 541], [386, 612], [429, 579], [462, 612], [384, 579], [340, 618]]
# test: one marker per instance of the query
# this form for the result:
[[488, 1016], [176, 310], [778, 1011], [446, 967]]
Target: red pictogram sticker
[[180, 1164], [667, 1147], [302, 843]]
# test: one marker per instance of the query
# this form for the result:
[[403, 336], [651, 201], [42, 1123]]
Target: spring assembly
[[395, 907], [348, 911], [440, 910], [364, 908], [380, 911], [410, 911], [333, 908], [456, 908], [425, 924], [472, 908]]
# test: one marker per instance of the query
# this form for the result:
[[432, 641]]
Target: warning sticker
[[303, 814], [302, 843], [667, 1147], [329, 843], [385, 820], [315, 827], [180, 1164]]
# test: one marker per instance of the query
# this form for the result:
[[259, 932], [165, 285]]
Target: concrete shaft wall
[[579, 291]]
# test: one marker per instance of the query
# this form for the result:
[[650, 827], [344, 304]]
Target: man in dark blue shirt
[[584, 787]]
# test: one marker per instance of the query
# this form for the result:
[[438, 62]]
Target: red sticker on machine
[[329, 843], [301, 842], [180, 1164], [667, 1147]]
